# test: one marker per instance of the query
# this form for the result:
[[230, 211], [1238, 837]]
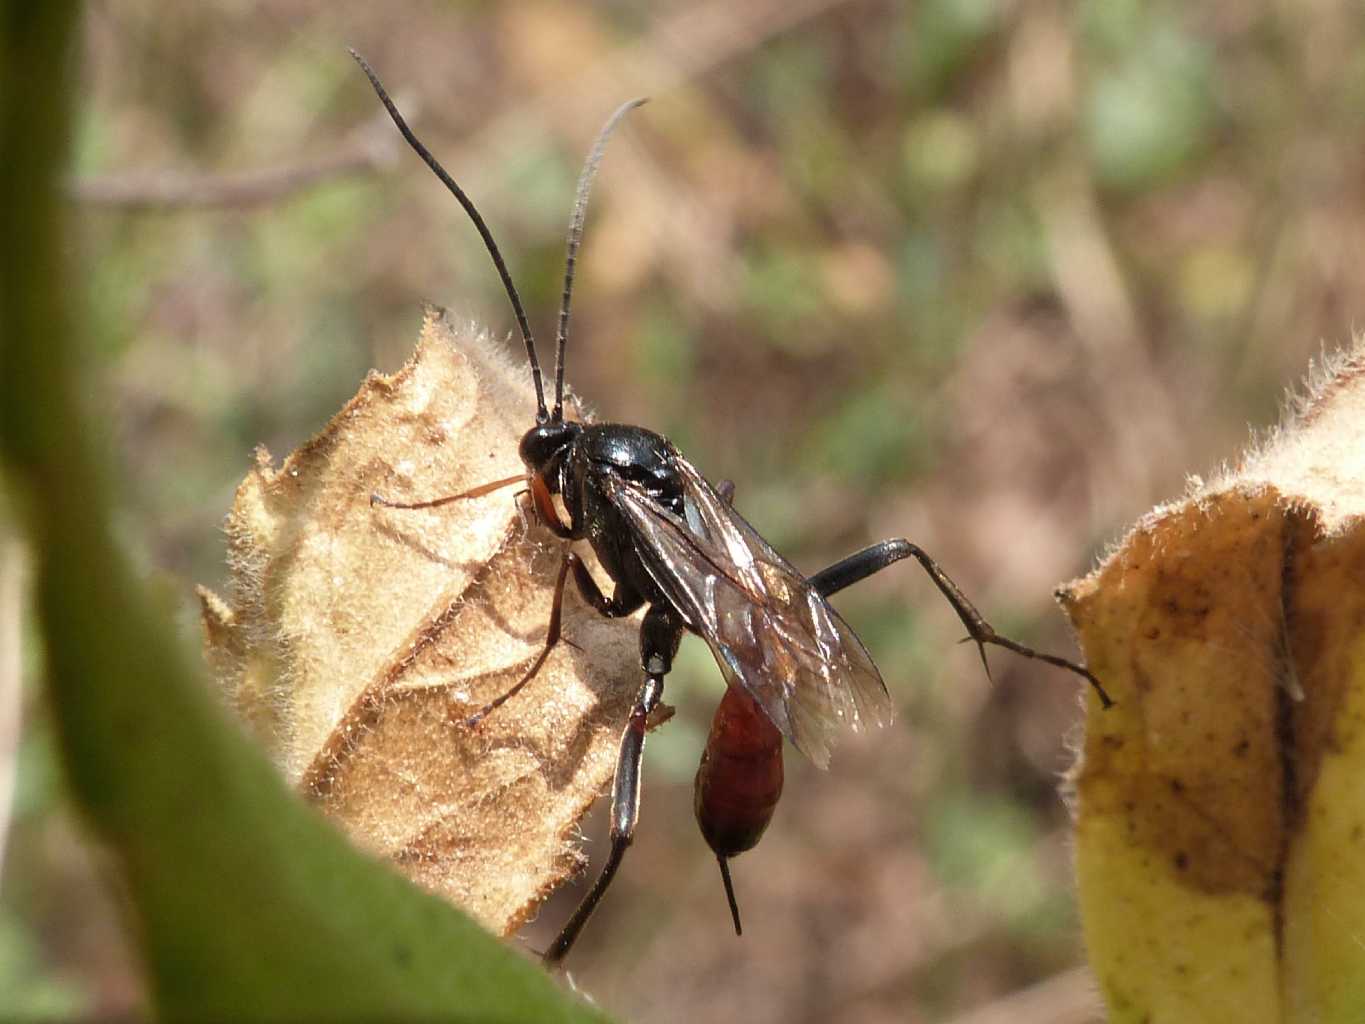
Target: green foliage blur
[[992, 276]]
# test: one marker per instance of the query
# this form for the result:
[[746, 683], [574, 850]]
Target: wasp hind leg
[[871, 560], [660, 634]]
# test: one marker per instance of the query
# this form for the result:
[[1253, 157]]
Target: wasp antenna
[[580, 209], [729, 891], [484, 233]]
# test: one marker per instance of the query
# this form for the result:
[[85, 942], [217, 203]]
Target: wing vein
[[770, 631]]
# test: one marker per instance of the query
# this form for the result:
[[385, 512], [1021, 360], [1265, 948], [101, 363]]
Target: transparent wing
[[769, 629]]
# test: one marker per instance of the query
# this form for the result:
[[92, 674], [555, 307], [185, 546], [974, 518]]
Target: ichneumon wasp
[[673, 544]]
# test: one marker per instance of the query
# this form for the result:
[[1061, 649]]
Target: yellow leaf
[[1221, 804]]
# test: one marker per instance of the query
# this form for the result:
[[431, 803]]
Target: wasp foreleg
[[378, 500], [551, 638]]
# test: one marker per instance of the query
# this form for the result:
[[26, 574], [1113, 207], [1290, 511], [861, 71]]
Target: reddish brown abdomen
[[740, 778]]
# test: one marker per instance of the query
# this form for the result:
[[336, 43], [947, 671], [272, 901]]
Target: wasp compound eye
[[542, 443]]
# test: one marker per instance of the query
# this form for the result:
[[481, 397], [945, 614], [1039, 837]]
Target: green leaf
[[246, 903]]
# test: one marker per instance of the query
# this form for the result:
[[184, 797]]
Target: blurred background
[[995, 276]]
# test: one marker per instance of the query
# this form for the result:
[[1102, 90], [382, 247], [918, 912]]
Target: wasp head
[[544, 445]]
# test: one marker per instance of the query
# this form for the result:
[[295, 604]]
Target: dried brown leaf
[[355, 640]]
